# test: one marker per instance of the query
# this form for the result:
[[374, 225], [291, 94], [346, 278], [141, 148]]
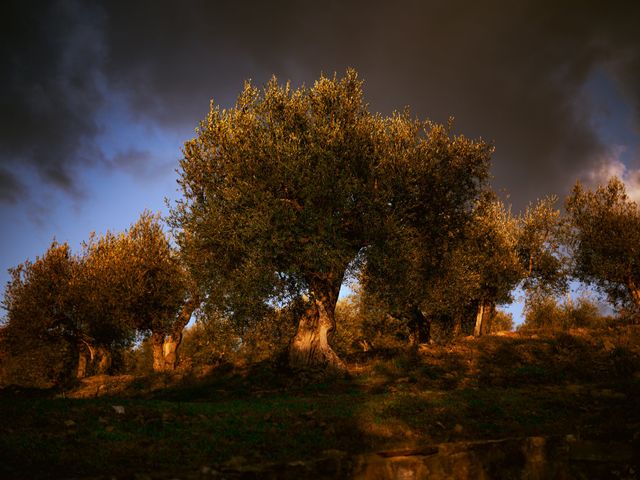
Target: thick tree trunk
[[634, 292], [104, 360], [83, 362], [165, 348], [157, 339], [483, 318], [86, 355], [309, 348], [635, 296]]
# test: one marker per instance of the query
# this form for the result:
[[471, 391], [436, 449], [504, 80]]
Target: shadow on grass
[[245, 415]]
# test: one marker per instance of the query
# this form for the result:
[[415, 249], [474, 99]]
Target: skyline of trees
[[288, 195]]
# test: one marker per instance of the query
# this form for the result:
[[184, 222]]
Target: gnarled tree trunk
[[93, 359], [634, 292], [309, 348], [157, 339], [165, 348], [86, 355], [104, 360]]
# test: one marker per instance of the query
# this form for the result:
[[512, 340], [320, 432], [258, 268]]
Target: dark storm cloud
[[51, 52], [511, 72], [142, 164], [11, 188]]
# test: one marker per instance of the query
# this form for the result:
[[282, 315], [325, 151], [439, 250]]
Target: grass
[[482, 389]]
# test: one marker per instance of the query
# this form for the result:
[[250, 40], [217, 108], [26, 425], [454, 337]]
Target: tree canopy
[[605, 241], [291, 188], [94, 303]]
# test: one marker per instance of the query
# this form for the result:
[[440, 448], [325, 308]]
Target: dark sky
[[97, 97]]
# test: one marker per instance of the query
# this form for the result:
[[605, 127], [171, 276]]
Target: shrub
[[501, 322]]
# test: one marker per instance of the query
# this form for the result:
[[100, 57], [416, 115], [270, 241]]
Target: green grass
[[262, 416]]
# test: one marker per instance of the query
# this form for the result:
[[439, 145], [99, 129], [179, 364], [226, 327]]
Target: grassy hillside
[[247, 421]]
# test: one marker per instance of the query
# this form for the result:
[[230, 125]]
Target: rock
[[119, 409]]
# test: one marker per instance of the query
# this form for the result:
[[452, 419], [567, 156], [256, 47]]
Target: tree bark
[[157, 339], [634, 292], [104, 360], [86, 355], [165, 348], [635, 296], [309, 348], [174, 338], [483, 318]]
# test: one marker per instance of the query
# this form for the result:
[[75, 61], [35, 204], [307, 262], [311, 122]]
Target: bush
[[547, 314], [36, 361], [361, 327], [584, 314], [501, 322]]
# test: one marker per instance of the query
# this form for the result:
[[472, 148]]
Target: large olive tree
[[291, 188]]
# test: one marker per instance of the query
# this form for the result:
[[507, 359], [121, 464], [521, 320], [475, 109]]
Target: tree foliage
[[42, 323], [605, 241], [477, 267], [93, 304], [546, 313], [541, 248], [288, 191]]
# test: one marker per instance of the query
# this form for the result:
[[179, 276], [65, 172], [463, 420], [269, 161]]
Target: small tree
[[42, 329], [288, 191], [158, 293], [101, 298], [542, 251], [605, 240], [491, 256], [502, 322]]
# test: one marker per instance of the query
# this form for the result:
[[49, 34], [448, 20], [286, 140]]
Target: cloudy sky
[[98, 97]]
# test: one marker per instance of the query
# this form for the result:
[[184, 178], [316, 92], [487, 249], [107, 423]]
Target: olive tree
[[287, 192], [139, 282], [65, 309], [42, 328], [605, 241]]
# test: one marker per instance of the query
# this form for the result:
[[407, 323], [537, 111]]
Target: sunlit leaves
[[119, 286], [541, 249], [606, 240], [292, 185]]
